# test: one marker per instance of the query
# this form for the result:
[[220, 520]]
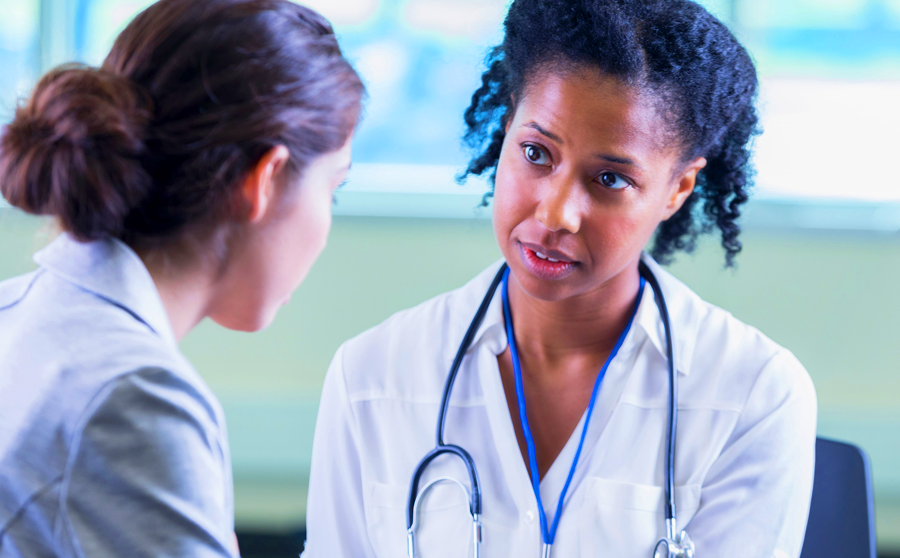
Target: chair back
[[842, 511]]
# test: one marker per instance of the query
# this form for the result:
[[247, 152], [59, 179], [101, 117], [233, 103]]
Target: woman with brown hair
[[192, 175]]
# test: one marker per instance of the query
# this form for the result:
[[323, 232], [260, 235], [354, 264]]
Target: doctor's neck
[[585, 324]]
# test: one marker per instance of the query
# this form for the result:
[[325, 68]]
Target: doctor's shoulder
[[731, 364], [413, 349]]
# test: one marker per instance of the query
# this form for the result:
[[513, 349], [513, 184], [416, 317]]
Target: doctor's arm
[[335, 516], [755, 498]]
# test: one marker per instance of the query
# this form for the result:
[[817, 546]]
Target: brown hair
[[194, 92]]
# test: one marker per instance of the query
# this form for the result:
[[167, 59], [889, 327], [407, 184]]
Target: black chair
[[842, 512]]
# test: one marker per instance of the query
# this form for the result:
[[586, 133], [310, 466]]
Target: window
[[830, 74], [98, 22], [19, 51], [831, 78]]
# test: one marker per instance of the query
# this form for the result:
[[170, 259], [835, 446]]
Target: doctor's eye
[[612, 181], [536, 155]]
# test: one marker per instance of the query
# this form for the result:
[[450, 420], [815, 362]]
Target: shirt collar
[[681, 302], [113, 271], [684, 316], [492, 330]]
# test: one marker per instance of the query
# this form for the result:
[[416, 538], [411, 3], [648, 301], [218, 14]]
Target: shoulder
[[137, 366], [412, 350], [13, 290], [159, 411], [78, 349], [78, 340], [155, 393], [149, 448], [154, 420], [727, 360], [155, 416]]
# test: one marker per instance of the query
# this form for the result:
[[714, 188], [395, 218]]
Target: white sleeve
[[335, 511], [755, 498]]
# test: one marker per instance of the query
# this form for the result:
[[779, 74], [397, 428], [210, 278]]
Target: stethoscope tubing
[[441, 447], [672, 422], [461, 352]]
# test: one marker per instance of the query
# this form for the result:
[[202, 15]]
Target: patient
[[192, 176]]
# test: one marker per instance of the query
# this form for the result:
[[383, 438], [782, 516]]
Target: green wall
[[830, 298]]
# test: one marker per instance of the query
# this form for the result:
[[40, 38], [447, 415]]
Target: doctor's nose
[[561, 206]]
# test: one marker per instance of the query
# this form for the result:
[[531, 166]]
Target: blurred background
[[818, 273]]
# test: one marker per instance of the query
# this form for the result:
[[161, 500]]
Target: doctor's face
[[584, 177]]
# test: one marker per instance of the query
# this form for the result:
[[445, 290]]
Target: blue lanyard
[[549, 535]]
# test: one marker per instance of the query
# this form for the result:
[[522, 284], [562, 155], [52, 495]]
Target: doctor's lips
[[545, 263]]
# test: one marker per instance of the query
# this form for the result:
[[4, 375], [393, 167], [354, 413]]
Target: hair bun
[[74, 151]]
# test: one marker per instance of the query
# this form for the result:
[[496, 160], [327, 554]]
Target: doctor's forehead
[[585, 107]]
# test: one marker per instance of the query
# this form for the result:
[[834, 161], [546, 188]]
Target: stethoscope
[[675, 545]]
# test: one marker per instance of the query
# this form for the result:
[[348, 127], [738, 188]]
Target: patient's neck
[[187, 292]]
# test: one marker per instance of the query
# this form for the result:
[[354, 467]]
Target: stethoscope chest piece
[[681, 547]]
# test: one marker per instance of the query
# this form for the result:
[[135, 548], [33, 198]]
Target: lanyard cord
[[549, 535]]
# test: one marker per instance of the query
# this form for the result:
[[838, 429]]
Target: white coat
[[745, 440]]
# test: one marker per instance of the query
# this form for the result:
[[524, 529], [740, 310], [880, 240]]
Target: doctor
[[605, 122]]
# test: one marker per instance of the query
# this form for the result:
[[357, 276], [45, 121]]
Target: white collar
[[681, 302], [685, 313]]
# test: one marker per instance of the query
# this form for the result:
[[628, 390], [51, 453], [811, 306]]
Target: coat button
[[529, 517]]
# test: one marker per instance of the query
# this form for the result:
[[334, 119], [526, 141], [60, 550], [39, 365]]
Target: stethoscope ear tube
[[440, 447], [461, 353], [671, 526]]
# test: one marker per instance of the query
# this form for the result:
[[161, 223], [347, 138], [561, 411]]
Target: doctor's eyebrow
[[557, 139], [619, 160], [543, 132]]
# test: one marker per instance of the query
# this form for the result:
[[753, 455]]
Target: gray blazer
[[111, 444]]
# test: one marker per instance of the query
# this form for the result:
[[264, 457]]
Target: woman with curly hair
[[604, 125]]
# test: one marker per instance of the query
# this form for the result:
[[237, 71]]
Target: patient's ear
[[260, 185]]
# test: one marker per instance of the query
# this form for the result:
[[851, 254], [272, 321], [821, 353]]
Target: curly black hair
[[699, 73]]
